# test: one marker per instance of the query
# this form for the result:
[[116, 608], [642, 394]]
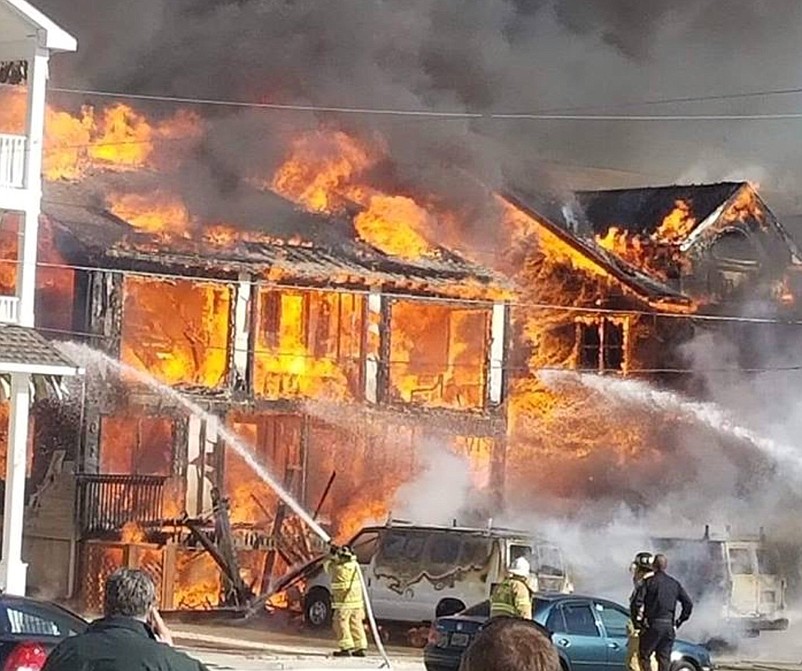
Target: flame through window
[[600, 345]]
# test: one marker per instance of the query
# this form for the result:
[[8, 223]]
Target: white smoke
[[440, 493]]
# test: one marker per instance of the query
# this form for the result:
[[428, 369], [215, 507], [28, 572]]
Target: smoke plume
[[488, 56]]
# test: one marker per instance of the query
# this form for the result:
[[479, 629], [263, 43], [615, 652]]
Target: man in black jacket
[[654, 608], [130, 637]]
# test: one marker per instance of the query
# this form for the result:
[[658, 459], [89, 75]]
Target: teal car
[[590, 634]]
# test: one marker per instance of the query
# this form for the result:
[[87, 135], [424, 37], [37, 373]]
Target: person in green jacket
[[347, 602], [513, 596]]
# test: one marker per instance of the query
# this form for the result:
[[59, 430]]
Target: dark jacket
[[118, 644], [655, 601]]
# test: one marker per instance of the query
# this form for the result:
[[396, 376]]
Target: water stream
[[711, 415], [90, 358]]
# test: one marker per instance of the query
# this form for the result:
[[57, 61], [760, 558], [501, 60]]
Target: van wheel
[[683, 665], [317, 608], [449, 607]]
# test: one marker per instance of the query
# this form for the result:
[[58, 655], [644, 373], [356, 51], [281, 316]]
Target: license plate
[[460, 640]]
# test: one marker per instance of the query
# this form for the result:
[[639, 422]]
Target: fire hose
[[372, 621]]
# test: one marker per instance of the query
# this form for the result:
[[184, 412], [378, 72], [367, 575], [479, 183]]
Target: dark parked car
[[30, 629], [590, 634]]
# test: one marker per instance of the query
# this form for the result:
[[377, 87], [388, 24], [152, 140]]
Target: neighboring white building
[[27, 38]]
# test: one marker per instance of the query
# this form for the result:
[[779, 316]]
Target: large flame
[[116, 137], [327, 171], [190, 348], [158, 212], [658, 253]]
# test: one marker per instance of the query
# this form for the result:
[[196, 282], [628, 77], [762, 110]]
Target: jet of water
[[87, 357], [636, 392]]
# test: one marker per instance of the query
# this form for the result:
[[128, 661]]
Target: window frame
[[581, 603], [607, 606], [731, 561], [355, 544], [606, 357]]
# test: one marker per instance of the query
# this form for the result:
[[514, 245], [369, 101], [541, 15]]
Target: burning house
[[334, 332], [324, 354], [609, 285]]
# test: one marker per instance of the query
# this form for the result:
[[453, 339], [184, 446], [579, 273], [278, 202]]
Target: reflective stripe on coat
[[512, 598], [346, 589]]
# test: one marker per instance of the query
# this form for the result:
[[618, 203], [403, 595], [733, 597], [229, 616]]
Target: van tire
[[317, 609], [449, 607]]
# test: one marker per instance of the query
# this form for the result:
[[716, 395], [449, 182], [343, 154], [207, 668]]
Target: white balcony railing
[[9, 309], [12, 161]]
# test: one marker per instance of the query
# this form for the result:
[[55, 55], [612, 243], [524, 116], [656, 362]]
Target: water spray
[[81, 352], [707, 414]]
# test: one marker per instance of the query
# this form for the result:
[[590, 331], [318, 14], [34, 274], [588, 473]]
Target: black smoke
[[459, 55]]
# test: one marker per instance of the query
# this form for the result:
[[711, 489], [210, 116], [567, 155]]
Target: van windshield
[[766, 563], [544, 559], [549, 560]]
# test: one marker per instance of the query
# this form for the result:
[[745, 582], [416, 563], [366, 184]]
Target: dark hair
[[129, 592], [510, 644], [660, 562]]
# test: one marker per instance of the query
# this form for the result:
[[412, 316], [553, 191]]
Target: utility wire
[[440, 299], [479, 366], [453, 114]]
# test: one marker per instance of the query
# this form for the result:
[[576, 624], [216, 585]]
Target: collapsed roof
[[291, 243], [726, 224], [643, 210]]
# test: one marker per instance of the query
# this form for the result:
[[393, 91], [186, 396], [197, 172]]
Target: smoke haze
[[504, 56], [493, 55]]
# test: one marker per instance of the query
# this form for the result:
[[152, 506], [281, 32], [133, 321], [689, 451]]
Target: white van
[[740, 577], [415, 573]]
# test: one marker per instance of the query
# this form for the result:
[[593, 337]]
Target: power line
[[480, 366], [452, 114], [439, 299]]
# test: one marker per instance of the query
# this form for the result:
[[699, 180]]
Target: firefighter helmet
[[643, 561], [520, 567]]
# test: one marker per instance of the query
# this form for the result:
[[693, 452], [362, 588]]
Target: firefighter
[[513, 596], [654, 611], [347, 602], [641, 568]]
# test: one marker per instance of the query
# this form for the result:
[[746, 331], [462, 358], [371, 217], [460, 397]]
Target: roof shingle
[[26, 347]]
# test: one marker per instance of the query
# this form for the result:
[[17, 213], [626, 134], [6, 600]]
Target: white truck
[[415, 573]]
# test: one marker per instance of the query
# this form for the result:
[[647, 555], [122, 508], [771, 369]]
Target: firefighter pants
[[658, 640], [633, 650], [349, 630]]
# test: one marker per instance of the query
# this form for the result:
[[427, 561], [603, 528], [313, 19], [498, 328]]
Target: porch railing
[[106, 502], [12, 161], [9, 309]]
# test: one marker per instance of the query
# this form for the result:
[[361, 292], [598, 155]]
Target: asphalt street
[[240, 648]]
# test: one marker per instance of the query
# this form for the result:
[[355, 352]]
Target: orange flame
[[116, 138], [191, 347], [325, 172], [677, 225], [395, 225], [158, 212], [133, 533], [321, 170]]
